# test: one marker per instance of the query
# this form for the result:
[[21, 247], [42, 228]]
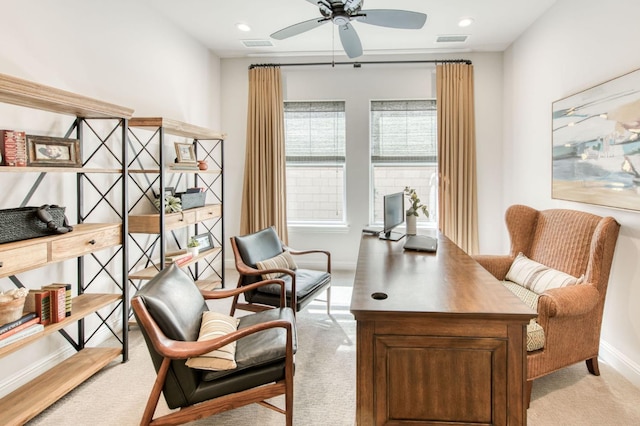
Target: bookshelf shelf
[[82, 305], [151, 271], [26, 402]]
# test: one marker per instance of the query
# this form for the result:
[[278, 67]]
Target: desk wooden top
[[448, 282]]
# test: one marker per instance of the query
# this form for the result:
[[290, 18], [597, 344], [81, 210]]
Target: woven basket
[[11, 310], [22, 223]]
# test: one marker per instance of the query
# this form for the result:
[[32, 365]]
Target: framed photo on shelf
[[185, 153], [205, 240], [49, 151]]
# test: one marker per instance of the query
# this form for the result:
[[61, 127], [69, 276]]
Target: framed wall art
[[596, 144], [49, 151]]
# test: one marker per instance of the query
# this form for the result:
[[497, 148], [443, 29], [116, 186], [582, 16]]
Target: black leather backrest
[[175, 303], [259, 246]]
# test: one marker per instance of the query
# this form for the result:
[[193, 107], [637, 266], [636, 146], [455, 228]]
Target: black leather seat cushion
[[307, 281]]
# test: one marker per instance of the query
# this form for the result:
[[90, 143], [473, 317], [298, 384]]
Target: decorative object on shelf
[[202, 165], [23, 223], [412, 212], [57, 152], [192, 198], [11, 304], [171, 204], [205, 241], [185, 153], [193, 246], [13, 148]]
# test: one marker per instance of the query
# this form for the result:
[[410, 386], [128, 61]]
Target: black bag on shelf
[[23, 223]]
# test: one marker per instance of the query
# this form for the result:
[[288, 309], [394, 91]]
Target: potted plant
[[193, 246], [415, 207]]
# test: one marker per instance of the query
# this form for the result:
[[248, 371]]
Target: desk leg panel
[[364, 374]]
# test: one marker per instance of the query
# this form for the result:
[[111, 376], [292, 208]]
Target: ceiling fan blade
[[392, 18], [350, 40], [298, 28]]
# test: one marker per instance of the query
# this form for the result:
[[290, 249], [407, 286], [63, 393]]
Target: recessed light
[[243, 27], [465, 22]]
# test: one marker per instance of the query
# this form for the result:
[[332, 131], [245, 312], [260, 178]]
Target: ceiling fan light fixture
[[465, 22]]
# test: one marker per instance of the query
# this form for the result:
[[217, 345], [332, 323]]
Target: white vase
[[411, 224], [193, 250]]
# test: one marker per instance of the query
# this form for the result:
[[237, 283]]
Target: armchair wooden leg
[[527, 394], [592, 366]]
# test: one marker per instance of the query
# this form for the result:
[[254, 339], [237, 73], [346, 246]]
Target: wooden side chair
[[249, 361], [262, 255], [559, 264]]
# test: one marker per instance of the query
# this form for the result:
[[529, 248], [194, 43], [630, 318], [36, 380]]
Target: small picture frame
[[205, 240], [185, 153], [49, 151], [169, 190]]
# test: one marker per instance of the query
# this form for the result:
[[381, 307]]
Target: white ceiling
[[497, 23]]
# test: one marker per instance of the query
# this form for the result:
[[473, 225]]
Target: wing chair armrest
[[568, 301], [222, 294], [313, 251], [497, 265]]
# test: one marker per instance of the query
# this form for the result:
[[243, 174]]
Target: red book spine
[[57, 303], [8, 147]]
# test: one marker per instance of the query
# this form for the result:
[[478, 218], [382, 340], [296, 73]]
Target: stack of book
[[183, 166], [13, 148], [178, 257], [24, 326]]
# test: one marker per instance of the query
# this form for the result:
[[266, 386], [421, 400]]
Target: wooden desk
[[447, 345]]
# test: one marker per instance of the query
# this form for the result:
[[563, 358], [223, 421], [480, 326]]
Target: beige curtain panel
[[264, 199], [458, 204]]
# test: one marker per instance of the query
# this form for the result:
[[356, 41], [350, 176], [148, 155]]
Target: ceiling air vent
[[451, 39], [257, 43]]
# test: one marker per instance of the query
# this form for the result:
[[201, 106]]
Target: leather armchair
[[576, 243], [302, 285], [169, 310]]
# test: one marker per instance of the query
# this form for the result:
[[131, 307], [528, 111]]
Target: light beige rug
[[325, 384]]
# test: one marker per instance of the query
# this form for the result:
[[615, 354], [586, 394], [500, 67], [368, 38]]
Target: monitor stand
[[391, 236]]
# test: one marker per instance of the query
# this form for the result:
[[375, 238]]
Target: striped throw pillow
[[538, 277], [216, 325], [281, 261]]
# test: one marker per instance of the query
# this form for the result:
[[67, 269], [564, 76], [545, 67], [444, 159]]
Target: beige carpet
[[325, 384]]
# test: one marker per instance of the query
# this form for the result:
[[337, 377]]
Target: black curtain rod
[[359, 64]]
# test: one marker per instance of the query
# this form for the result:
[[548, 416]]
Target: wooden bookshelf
[[151, 271]]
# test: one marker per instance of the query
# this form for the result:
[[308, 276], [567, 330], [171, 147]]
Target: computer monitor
[[393, 216]]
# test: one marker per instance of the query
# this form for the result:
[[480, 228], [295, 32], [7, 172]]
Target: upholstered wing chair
[[576, 243]]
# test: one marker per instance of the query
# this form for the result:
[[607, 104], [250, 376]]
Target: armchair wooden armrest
[[568, 301], [497, 265], [222, 294], [175, 349], [313, 251]]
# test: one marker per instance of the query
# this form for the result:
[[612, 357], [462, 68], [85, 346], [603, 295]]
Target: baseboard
[[620, 362]]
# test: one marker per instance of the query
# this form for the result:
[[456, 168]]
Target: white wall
[[577, 44], [116, 51], [357, 86]]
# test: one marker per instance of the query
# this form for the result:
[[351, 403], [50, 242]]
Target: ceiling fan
[[341, 12]]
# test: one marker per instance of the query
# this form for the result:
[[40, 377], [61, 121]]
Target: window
[[404, 153], [315, 156]]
